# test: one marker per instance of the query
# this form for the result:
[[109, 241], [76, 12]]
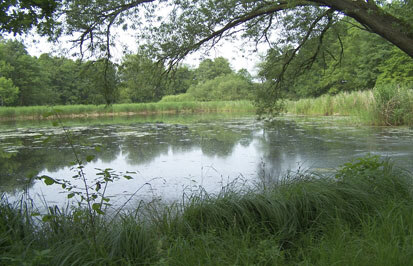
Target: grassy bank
[[38, 112], [363, 215], [387, 105]]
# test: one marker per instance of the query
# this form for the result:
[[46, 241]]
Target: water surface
[[174, 155]]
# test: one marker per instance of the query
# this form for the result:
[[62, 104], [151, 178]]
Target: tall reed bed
[[385, 105], [362, 215], [38, 112]]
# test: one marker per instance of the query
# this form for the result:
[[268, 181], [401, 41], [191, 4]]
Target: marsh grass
[[388, 105], [361, 215], [38, 112]]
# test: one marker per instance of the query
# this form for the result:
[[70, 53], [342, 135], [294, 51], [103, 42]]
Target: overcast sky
[[239, 54]]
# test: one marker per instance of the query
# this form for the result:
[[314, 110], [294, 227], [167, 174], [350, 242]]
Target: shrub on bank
[[184, 97]]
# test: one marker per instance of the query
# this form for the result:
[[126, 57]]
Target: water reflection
[[177, 156]]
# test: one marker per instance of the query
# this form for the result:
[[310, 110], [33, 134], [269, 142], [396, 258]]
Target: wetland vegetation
[[318, 216], [206, 190]]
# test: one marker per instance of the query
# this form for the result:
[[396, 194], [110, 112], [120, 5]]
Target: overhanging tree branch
[[313, 25], [262, 11]]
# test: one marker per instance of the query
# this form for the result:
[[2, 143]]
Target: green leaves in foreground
[[364, 167], [95, 192], [47, 180], [97, 207]]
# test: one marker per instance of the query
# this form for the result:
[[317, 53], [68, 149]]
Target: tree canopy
[[300, 32], [193, 23]]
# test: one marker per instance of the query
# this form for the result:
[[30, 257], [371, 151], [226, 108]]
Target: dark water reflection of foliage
[[27, 152], [281, 144]]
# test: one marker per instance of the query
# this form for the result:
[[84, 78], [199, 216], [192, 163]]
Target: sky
[[237, 52]]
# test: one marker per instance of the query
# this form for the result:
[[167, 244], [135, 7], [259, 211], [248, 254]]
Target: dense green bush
[[184, 97], [225, 88]]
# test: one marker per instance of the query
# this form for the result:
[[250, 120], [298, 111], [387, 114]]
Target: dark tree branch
[[309, 62], [328, 13], [374, 18], [262, 11], [106, 16]]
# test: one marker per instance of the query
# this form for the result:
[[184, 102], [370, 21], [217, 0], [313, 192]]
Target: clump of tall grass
[[66, 238], [344, 103], [394, 105], [384, 105], [366, 206], [287, 223]]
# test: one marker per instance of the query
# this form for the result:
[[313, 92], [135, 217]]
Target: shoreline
[[85, 111]]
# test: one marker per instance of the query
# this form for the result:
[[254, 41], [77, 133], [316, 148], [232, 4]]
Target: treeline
[[349, 59], [49, 80]]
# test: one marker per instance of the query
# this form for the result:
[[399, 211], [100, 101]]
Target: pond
[[172, 156]]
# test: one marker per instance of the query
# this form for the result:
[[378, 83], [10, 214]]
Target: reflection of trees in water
[[279, 145], [217, 141], [33, 155], [151, 141], [29, 159], [213, 140], [287, 145], [141, 143]]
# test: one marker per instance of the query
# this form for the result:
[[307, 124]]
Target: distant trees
[[224, 87], [27, 80], [8, 92], [209, 69], [356, 61], [144, 80], [141, 78], [23, 71], [216, 80]]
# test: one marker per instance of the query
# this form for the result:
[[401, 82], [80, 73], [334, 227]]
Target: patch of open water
[[176, 157]]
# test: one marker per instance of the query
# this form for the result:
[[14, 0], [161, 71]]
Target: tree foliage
[[216, 80], [350, 63], [192, 24], [397, 69], [20, 16], [24, 72], [145, 80], [307, 37], [54, 80], [224, 87], [209, 69], [142, 79], [8, 92]]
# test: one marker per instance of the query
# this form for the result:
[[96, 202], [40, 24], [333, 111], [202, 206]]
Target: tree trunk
[[395, 30]]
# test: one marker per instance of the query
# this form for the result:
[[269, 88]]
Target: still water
[[177, 155]]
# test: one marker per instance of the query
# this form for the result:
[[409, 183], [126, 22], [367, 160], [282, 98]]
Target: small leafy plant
[[90, 196], [366, 167]]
